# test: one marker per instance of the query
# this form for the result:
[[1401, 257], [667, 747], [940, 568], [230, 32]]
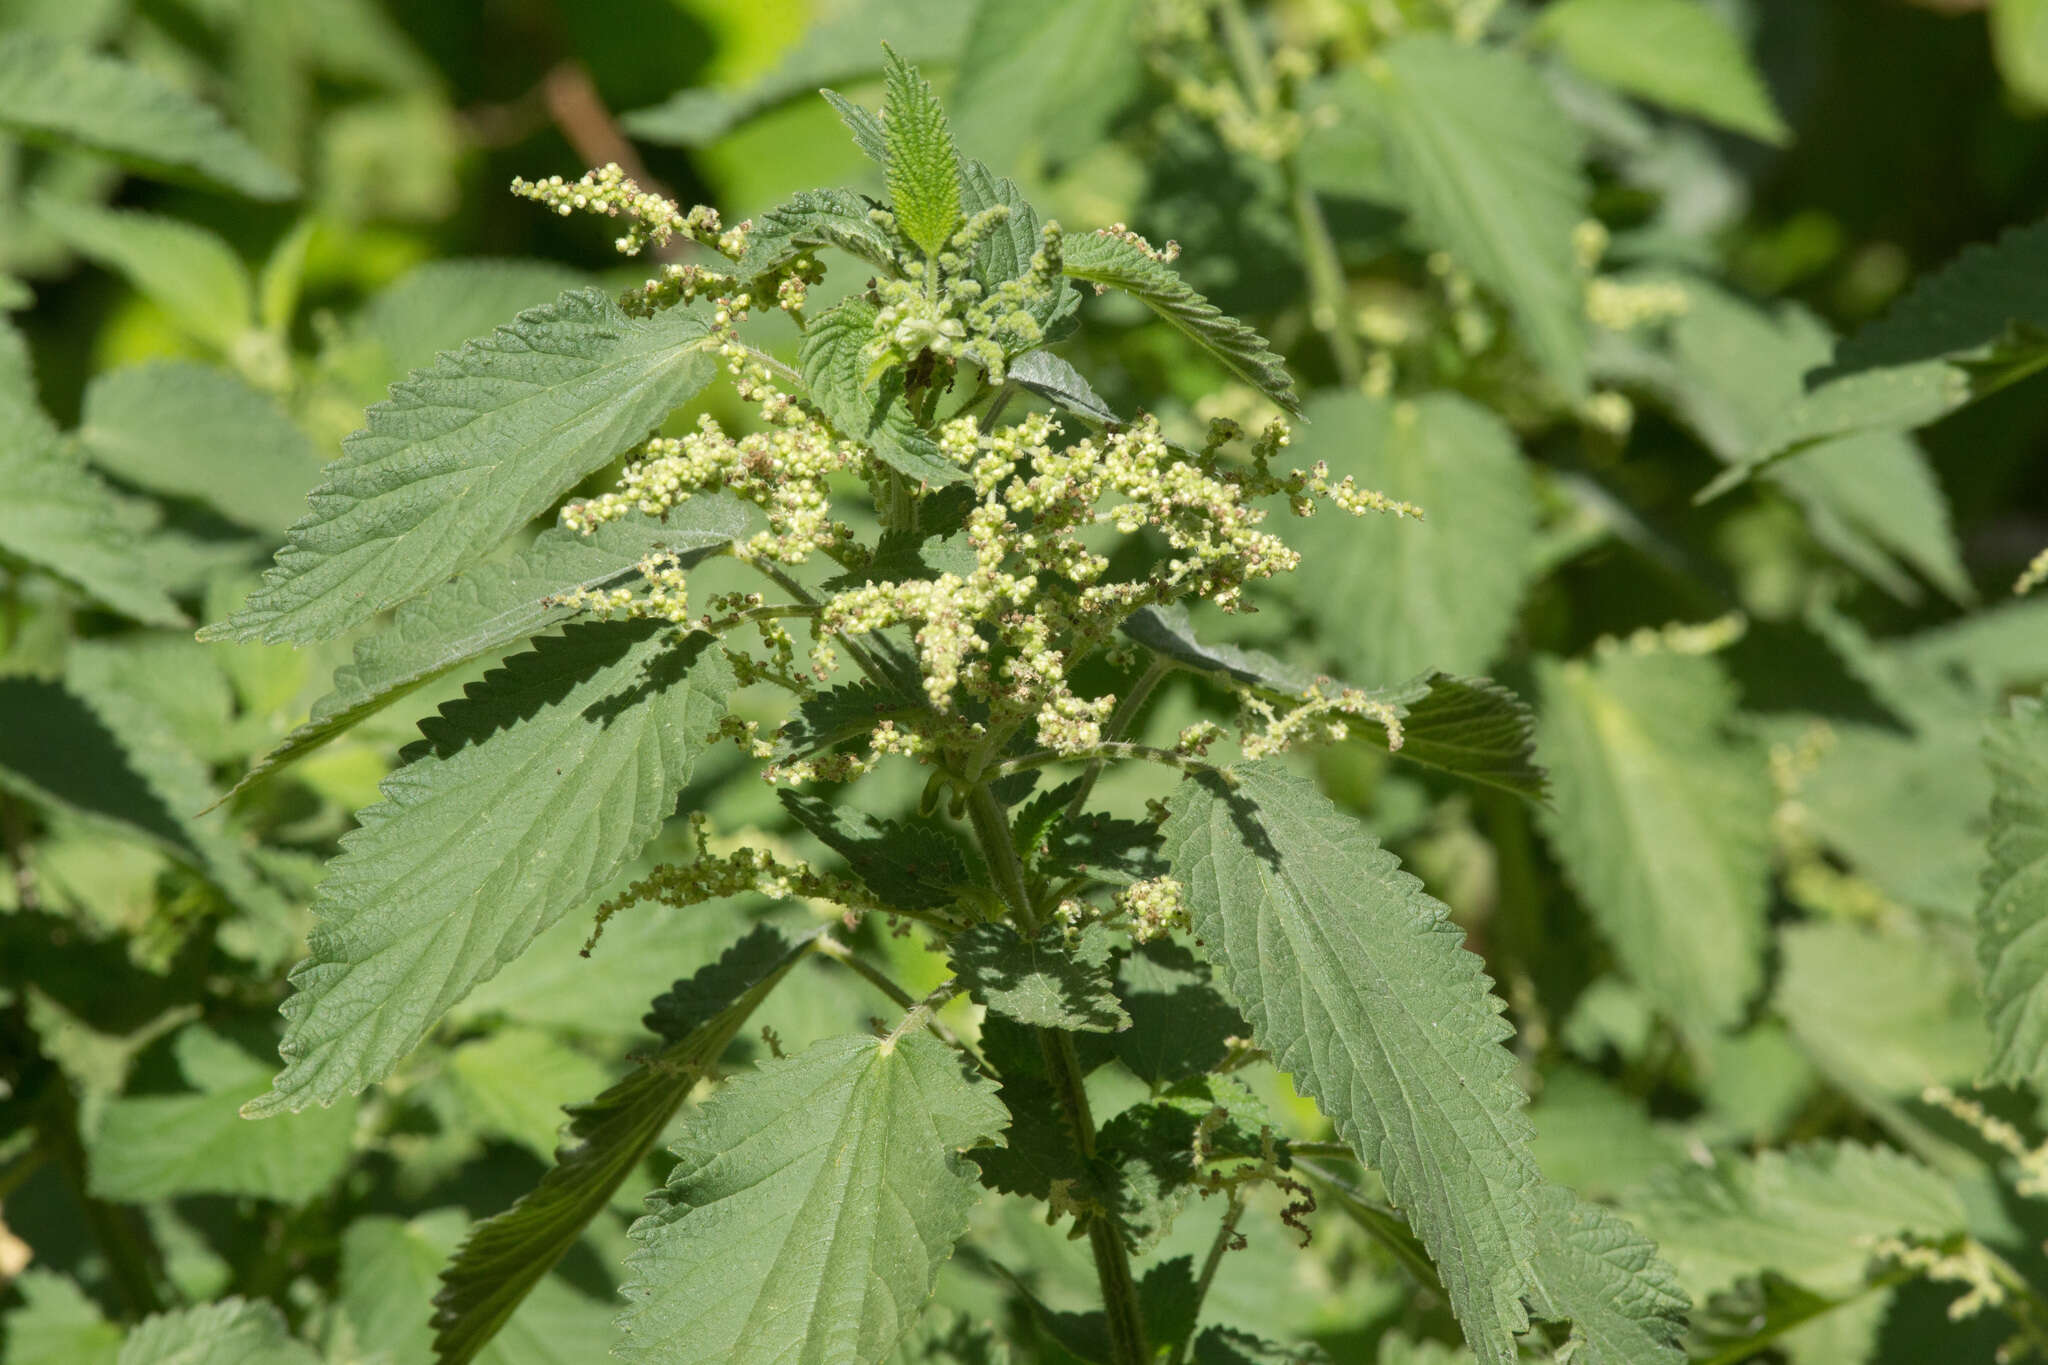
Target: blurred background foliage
[[1740, 926]]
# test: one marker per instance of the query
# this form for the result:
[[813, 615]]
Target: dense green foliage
[[1202, 681]]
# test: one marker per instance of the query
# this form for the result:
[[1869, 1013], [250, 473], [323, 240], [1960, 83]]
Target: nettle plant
[[965, 561]]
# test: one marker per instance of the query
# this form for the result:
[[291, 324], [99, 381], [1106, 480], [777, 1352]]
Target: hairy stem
[[992, 831], [1063, 1071]]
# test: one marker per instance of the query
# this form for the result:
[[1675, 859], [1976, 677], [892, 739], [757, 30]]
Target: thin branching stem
[[832, 948], [1041, 758], [1226, 1235], [1120, 722]]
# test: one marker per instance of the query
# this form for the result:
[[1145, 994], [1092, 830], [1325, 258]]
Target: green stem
[[1095, 754], [1750, 1346], [1224, 1235], [1120, 722], [992, 830], [1328, 296], [867, 971], [1383, 1225], [1063, 1071]]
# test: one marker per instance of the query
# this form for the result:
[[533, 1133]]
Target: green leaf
[[51, 91], [1488, 167], [1662, 823], [1109, 261], [2015, 907], [191, 431], [877, 417], [945, 1337], [1882, 1015], [1037, 1150], [512, 1084], [522, 800], [231, 1332], [1808, 1213], [814, 218], [923, 166], [833, 716], [1147, 1153], [442, 304], [164, 1146], [1228, 1346], [1867, 494], [486, 609], [1470, 727], [102, 744], [57, 1324], [469, 451], [1355, 981], [1055, 73], [1170, 632], [54, 514], [812, 1203], [842, 46], [1679, 53], [1394, 596], [386, 1283], [1112, 851], [607, 1139], [1594, 1137], [1044, 981], [864, 124], [1006, 253], [1180, 1024], [56, 751], [187, 271], [916, 864], [2019, 40], [1958, 334], [1594, 1269], [1060, 384], [57, 516], [1397, 1349]]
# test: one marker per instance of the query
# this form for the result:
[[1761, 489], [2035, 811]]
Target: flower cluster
[[1000, 589], [650, 218], [940, 307], [785, 469], [743, 870]]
